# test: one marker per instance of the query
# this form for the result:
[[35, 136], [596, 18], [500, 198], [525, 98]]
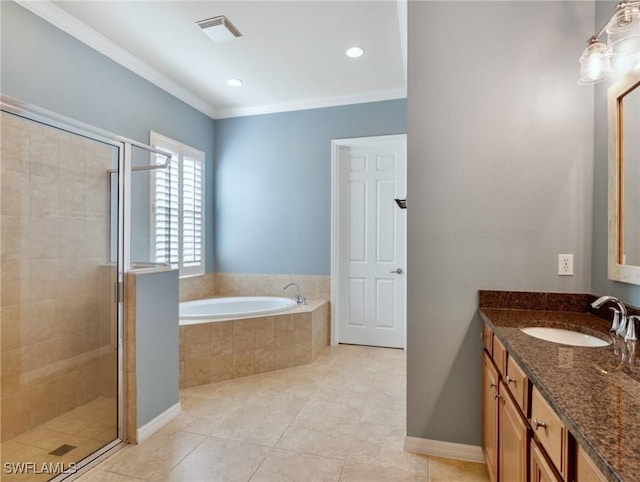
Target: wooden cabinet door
[[490, 416], [586, 470], [513, 440], [541, 470]]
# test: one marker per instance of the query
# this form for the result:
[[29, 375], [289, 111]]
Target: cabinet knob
[[492, 385], [536, 423], [496, 396], [510, 380]]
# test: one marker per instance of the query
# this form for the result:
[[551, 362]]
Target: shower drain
[[63, 449]]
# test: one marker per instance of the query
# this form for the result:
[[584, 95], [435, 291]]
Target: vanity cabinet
[[490, 410], [505, 431], [522, 437]]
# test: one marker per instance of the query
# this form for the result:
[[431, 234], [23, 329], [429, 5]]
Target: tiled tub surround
[[313, 287], [596, 396], [198, 287], [221, 350]]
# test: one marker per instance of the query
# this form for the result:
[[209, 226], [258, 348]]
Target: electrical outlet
[[565, 264]]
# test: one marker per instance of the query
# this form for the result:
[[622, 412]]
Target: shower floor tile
[[87, 428]]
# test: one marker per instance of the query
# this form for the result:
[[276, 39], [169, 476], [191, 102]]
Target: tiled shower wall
[[56, 322]]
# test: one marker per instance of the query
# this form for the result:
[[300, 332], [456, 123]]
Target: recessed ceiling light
[[355, 52], [234, 82]]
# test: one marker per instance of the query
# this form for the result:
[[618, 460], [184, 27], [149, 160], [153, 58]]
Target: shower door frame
[[124, 146]]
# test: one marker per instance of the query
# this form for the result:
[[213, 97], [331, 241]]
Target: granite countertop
[[592, 391]]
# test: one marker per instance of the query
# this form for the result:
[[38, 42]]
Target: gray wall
[[273, 184], [500, 152], [600, 283], [44, 66], [157, 344]]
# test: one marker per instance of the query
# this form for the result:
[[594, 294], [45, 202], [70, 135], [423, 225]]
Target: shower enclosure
[[64, 243]]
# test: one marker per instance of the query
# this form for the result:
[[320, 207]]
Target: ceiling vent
[[219, 29]]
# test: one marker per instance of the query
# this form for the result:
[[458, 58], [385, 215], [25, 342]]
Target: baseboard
[[157, 423], [470, 453]]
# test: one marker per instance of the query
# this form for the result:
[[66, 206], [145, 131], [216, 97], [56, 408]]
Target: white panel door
[[371, 278]]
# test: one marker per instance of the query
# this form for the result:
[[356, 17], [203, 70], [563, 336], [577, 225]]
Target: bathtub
[[223, 338], [232, 308]]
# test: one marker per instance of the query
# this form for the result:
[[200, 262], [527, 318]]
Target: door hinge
[[119, 291]]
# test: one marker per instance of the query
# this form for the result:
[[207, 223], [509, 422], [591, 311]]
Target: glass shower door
[[59, 316]]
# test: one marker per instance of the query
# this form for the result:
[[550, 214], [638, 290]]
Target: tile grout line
[[279, 438]]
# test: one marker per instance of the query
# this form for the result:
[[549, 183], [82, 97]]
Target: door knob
[[397, 271]]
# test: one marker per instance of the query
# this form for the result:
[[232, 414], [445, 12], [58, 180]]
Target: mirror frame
[[617, 271]]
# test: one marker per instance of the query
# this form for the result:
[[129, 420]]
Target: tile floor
[[339, 418], [88, 428]]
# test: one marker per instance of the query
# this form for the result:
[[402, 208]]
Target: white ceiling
[[291, 55]]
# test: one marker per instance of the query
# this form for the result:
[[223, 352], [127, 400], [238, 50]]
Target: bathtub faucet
[[299, 299]]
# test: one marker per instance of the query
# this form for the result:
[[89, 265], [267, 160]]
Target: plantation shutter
[[192, 202], [177, 221]]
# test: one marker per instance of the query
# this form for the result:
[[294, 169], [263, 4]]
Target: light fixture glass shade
[[595, 66], [621, 66], [623, 32]]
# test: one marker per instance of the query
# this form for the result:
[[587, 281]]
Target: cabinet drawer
[[487, 339], [550, 432], [499, 355], [518, 384]]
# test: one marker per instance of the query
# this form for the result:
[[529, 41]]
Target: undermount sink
[[565, 337]]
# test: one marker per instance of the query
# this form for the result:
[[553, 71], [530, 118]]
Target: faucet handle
[[622, 328], [615, 324], [631, 328]]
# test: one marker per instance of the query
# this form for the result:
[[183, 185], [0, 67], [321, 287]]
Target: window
[[177, 207]]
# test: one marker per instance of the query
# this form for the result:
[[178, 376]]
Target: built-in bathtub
[[232, 308], [223, 338]]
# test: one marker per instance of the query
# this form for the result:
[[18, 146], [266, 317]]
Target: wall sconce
[[623, 41]]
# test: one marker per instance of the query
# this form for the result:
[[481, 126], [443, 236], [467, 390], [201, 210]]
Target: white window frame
[[179, 152]]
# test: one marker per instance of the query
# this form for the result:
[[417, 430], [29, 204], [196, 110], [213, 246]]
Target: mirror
[[624, 179]]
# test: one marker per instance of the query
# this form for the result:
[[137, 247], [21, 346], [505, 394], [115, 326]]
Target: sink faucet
[[299, 299], [621, 328]]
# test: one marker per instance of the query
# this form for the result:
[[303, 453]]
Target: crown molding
[[74, 27], [227, 112]]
